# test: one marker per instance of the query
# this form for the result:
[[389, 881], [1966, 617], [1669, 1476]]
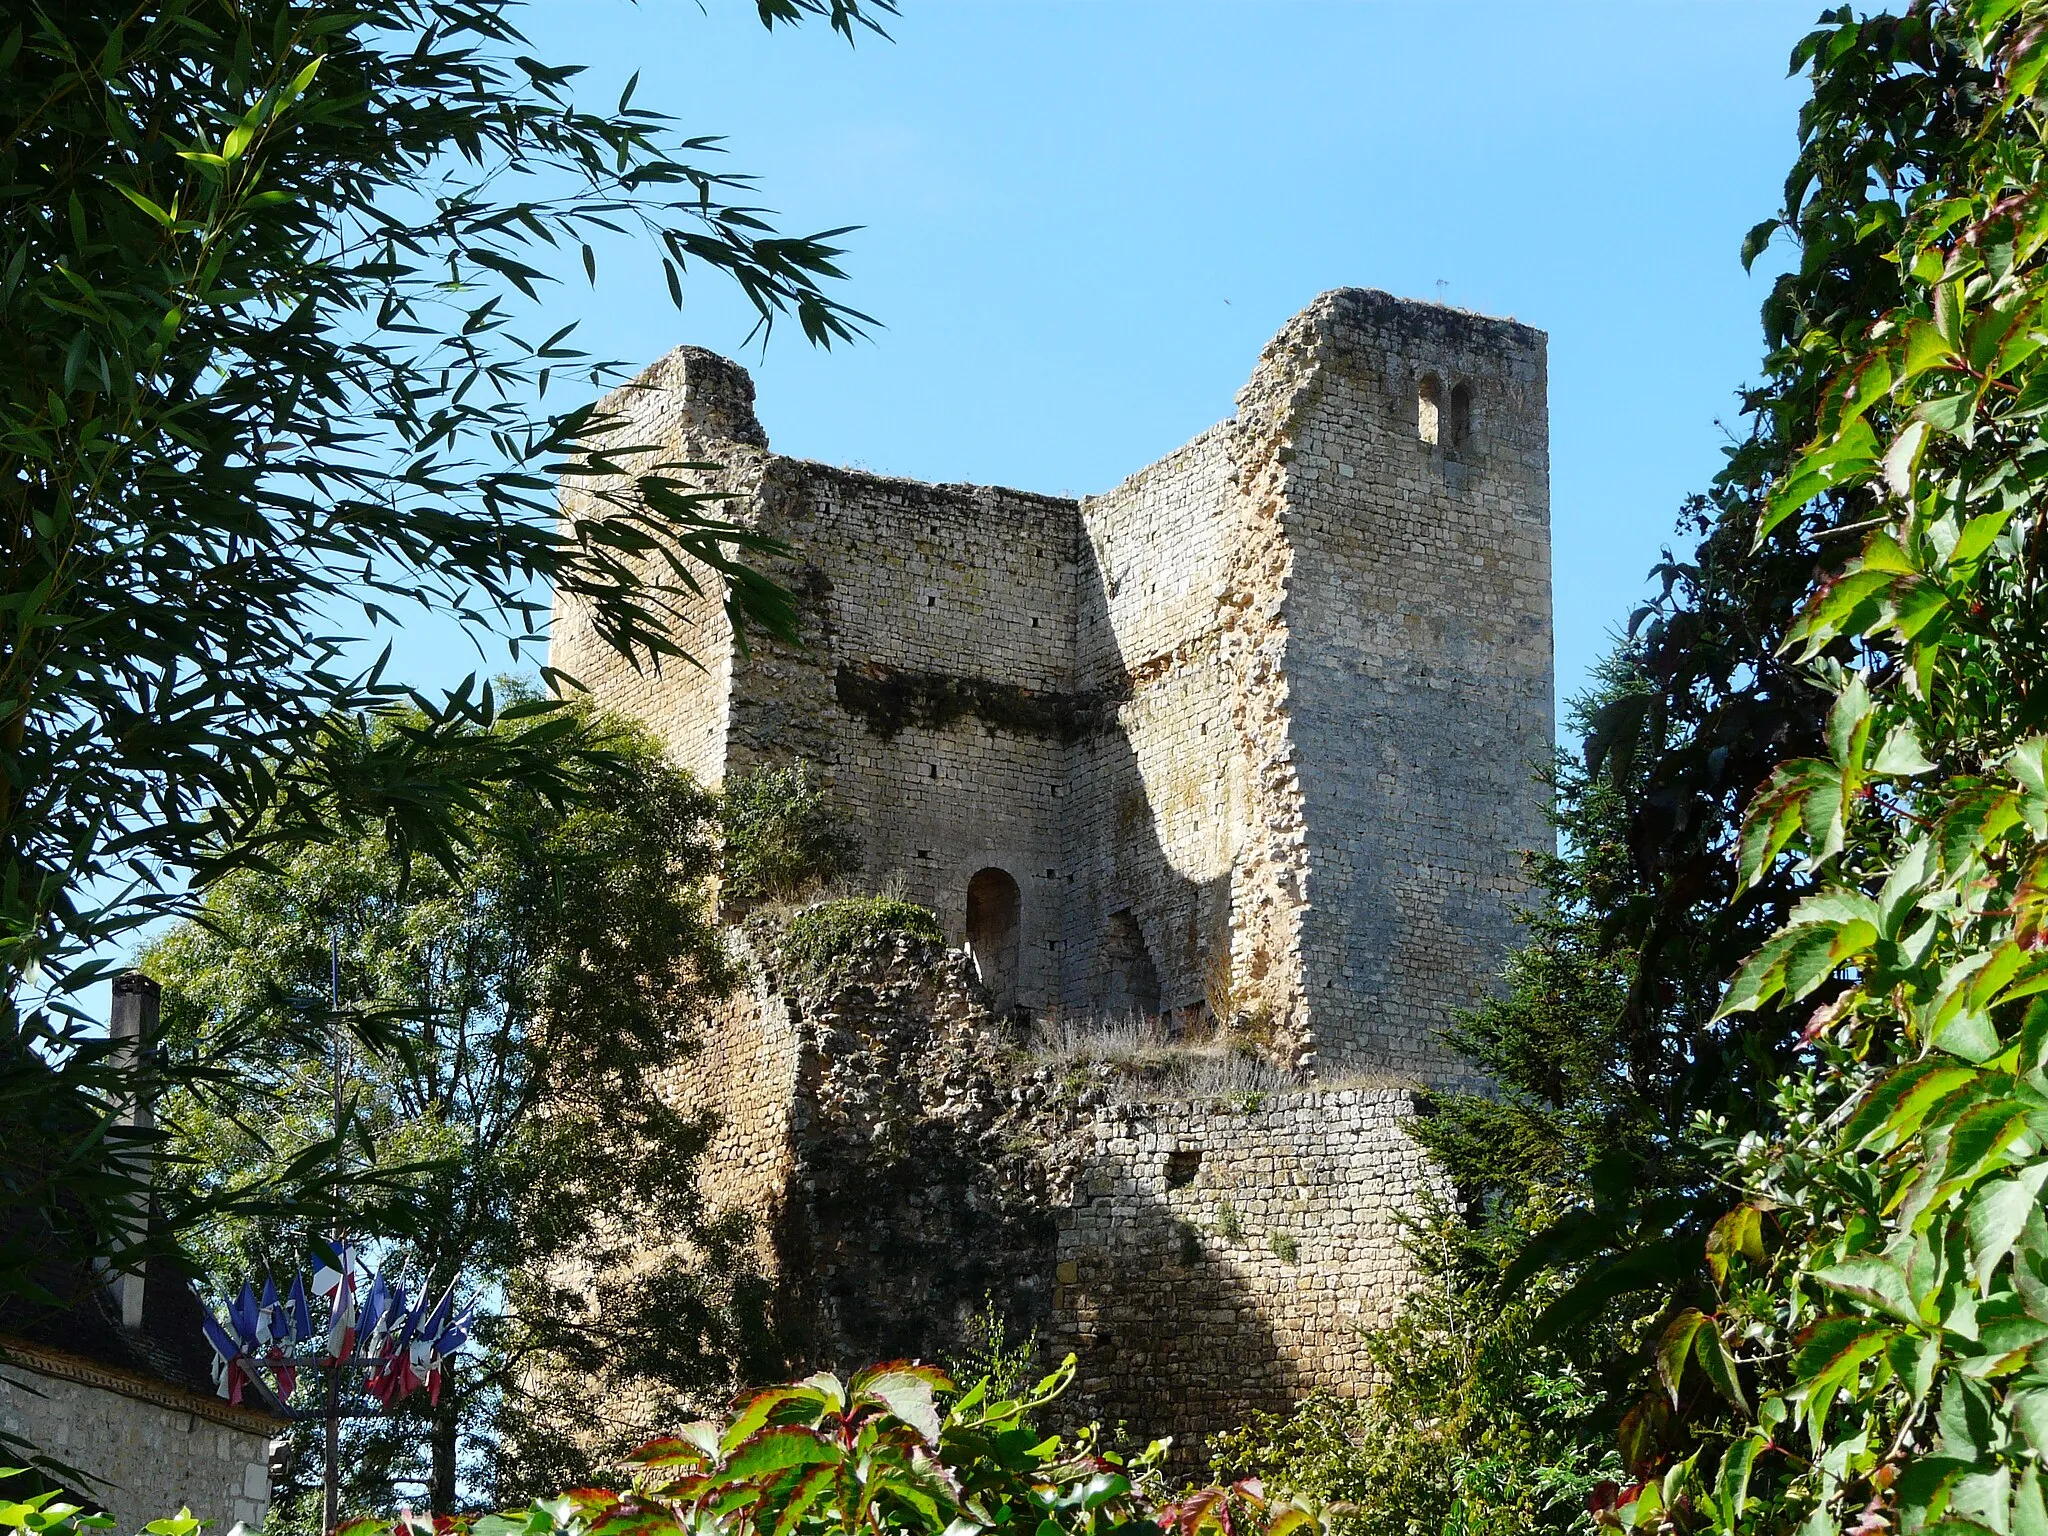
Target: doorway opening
[[995, 908]]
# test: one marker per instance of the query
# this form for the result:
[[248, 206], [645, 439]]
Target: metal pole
[[330, 1490]]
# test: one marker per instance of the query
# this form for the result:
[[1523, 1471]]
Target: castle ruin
[[1249, 741]]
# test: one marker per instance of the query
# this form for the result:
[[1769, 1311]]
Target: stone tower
[[1252, 736]]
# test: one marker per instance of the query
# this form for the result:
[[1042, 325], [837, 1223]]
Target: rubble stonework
[[1199, 1258], [1249, 741]]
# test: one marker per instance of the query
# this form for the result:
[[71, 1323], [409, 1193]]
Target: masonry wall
[[1418, 663], [1157, 790], [1219, 1259], [742, 1072], [1255, 734], [1201, 1258], [690, 407], [151, 1458], [932, 685]]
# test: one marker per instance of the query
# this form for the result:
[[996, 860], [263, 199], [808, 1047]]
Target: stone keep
[[1252, 737]]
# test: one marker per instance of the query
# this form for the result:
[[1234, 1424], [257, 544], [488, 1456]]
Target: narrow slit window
[[1429, 399], [1461, 415]]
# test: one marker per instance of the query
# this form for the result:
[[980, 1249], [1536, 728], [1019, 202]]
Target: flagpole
[[330, 1489]]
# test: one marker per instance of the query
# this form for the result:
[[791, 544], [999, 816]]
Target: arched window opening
[[995, 908], [1461, 415], [1131, 983], [1429, 396]]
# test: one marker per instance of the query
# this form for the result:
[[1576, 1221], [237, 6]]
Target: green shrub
[[1000, 1364], [1228, 1227], [1478, 1425], [820, 937], [1284, 1247], [783, 836], [899, 1448]]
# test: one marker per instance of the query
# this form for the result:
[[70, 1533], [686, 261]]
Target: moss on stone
[[819, 938], [887, 699]]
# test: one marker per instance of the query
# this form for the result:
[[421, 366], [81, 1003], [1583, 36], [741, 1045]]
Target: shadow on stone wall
[[939, 1173], [924, 1178], [1170, 1340]]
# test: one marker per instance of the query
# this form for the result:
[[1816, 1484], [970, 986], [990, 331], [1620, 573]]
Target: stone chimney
[[132, 1027]]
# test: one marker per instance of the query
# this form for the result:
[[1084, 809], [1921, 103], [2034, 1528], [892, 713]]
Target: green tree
[[1875, 1353], [1475, 1424], [1703, 702], [783, 835], [1506, 1374], [1609, 1048], [272, 350], [539, 992]]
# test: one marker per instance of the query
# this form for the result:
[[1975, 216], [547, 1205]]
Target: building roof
[[166, 1358]]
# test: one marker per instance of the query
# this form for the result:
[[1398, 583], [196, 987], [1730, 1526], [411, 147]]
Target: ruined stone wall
[[927, 1167], [690, 407], [1418, 665], [1201, 1258], [153, 1454], [1157, 792], [743, 1074], [1254, 734], [1221, 1258], [934, 684]]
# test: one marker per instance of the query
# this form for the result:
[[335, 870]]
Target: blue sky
[[1082, 219]]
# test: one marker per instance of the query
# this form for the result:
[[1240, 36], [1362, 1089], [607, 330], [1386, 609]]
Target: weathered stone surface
[[1228, 1256], [153, 1450], [1199, 1258], [1254, 733]]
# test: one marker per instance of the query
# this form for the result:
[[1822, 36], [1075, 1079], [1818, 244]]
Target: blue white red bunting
[[404, 1346]]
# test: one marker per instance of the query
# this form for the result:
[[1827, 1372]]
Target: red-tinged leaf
[[1915, 606], [779, 1449], [1874, 1281], [1982, 1135], [1817, 952], [1837, 1343], [631, 1518], [1997, 1214], [1847, 604], [1719, 1365], [1930, 1087], [1740, 1231], [681, 1450], [1760, 978], [1927, 348], [1977, 818], [1847, 457], [1675, 1348], [759, 1407], [1988, 981], [587, 1498], [808, 1489], [1641, 1431], [2030, 904], [908, 1393]]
